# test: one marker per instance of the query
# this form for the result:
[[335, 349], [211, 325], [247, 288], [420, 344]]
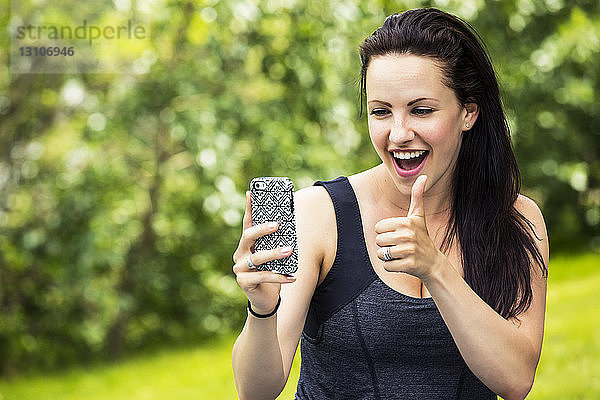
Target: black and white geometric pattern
[[275, 202]]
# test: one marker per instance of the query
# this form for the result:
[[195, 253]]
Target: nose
[[400, 132]]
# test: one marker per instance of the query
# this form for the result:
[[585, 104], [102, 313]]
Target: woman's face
[[415, 121]]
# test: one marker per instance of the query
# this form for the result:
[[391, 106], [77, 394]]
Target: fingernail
[[286, 250], [272, 225]]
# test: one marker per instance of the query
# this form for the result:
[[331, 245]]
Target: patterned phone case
[[272, 199]]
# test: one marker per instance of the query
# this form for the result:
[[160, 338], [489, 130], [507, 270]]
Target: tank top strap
[[351, 272]]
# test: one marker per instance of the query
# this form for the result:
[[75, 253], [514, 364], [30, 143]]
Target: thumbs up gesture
[[406, 240]]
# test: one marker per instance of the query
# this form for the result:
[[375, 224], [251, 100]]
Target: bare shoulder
[[312, 202], [316, 226], [310, 194], [530, 210], [314, 216]]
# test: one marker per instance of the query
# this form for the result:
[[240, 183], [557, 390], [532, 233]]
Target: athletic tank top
[[364, 340]]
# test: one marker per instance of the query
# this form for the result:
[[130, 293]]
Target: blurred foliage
[[121, 196]]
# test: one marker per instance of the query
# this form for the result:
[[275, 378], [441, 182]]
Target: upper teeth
[[405, 155]]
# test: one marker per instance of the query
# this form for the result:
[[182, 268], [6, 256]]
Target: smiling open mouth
[[409, 160]]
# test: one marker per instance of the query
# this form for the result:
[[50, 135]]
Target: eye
[[379, 112], [422, 110]]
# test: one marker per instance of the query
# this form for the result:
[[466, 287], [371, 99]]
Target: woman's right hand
[[261, 287]]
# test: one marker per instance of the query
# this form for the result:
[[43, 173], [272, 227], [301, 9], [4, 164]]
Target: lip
[[405, 150], [412, 172]]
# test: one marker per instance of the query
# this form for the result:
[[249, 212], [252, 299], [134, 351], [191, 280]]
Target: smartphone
[[272, 199]]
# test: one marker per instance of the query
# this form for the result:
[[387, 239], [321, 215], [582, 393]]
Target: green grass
[[569, 367], [570, 362], [200, 373]]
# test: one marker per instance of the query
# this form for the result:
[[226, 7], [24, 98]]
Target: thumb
[[416, 197], [247, 222]]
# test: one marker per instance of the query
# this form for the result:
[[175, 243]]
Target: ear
[[472, 112]]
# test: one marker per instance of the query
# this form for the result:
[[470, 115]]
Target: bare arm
[[502, 353], [263, 353]]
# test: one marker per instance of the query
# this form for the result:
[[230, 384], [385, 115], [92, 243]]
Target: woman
[[423, 277]]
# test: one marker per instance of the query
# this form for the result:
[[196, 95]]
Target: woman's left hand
[[411, 247]]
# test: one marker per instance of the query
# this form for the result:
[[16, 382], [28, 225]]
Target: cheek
[[378, 133], [442, 135]]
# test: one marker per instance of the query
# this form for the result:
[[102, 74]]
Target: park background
[[121, 195]]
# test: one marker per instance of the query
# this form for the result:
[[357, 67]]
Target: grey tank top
[[364, 340]]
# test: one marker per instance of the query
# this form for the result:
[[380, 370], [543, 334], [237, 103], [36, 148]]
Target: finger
[[390, 224], [416, 197], [253, 279], [248, 213], [398, 265], [394, 237], [244, 266], [254, 232], [398, 252], [261, 257], [246, 224], [381, 251], [249, 237]]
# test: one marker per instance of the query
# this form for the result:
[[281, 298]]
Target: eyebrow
[[385, 103], [410, 103]]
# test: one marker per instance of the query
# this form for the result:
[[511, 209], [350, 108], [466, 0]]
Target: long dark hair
[[498, 244]]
